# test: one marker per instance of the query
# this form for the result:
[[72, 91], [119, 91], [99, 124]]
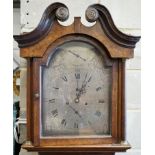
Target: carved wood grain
[[58, 31]]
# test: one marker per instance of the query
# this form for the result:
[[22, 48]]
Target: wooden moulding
[[82, 148], [75, 153], [35, 43]]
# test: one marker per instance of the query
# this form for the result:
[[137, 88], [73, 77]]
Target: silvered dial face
[[76, 89]]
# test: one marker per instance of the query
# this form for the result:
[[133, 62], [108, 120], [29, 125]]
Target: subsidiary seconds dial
[[76, 92]]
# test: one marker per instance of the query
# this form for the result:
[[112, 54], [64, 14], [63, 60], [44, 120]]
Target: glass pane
[[76, 92]]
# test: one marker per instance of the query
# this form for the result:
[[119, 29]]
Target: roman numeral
[[52, 101], [101, 101], [64, 78], [54, 113], [76, 125], [55, 87], [85, 77], [98, 113], [77, 75], [63, 122], [99, 88], [89, 79]]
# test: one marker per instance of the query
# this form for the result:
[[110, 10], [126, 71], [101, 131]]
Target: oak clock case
[[75, 83]]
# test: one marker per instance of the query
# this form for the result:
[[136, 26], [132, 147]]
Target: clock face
[[76, 92]]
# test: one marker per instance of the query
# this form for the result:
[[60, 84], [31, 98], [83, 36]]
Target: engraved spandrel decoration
[[76, 92]]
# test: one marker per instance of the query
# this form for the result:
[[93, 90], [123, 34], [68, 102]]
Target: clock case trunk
[[48, 35]]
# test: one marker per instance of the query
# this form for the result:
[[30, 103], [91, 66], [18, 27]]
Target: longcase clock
[[75, 83]]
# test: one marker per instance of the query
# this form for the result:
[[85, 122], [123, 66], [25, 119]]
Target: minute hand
[[81, 90]]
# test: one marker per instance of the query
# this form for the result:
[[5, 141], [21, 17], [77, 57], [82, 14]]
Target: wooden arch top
[[35, 43]]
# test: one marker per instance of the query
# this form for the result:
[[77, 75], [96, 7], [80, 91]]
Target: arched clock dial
[[76, 92]]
